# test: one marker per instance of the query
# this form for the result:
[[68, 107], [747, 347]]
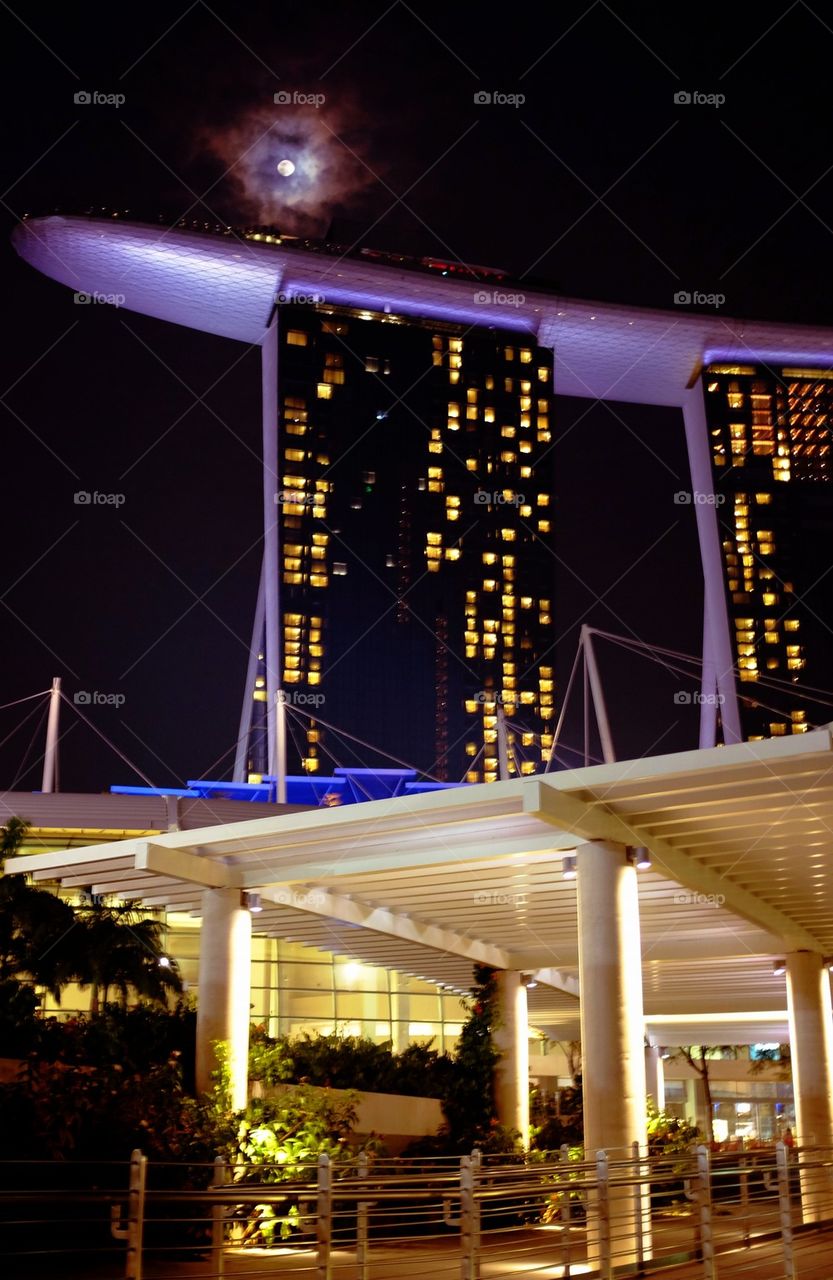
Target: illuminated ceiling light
[[164, 962], [529, 981], [253, 902], [568, 866], [640, 857], [779, 967]]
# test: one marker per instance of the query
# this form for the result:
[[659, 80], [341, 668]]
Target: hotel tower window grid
[[770, 437], [417, 453]]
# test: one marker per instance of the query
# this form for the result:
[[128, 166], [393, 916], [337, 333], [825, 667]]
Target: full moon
[[285, 168]]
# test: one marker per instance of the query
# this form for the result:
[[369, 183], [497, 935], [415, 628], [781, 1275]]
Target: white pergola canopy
[[740, 839]]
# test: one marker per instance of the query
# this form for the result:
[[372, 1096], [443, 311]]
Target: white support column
[[719, 652], [612, 1023], [512, 1040], [244, 735], [655, 1075], [708, 686], [50, 755], [811, 1046], [272, 509], [224, 993]]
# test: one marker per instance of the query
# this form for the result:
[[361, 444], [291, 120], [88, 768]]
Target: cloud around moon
[[325, 145]]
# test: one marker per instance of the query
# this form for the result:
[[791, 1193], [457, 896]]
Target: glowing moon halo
[[286, 168]]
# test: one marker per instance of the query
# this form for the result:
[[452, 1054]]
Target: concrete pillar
[[511, 1038], [612, 1025], [224, 997], [811, 1046], [655, 1075]]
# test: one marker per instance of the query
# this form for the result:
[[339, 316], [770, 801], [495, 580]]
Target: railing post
[[782, 1157], [362, 1255], [704, 1205], [476, 1165], [603, 1214], [744, 1197], [324, 1216], [638, 1213], [136, 1215], [218, 1220], [467, 1262], [566, 1212]]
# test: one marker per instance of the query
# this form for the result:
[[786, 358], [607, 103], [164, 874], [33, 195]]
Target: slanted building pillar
[[511, 1038], [811, 1048], [224, 992], [612, 1029]]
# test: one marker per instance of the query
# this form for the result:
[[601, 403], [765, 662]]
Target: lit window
[[324, 391], [339, 569], [296, 338]]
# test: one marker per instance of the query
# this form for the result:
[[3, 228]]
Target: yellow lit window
[[526, 355], [296, 338], [543, 526], [508, 535], [324, 391]]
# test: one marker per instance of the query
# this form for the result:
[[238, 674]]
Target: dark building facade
[[771, 431], [416, 544]]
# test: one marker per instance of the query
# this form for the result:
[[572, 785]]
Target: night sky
[[599, 184]]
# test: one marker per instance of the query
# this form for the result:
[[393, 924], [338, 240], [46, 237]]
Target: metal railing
[[698, 1213]]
